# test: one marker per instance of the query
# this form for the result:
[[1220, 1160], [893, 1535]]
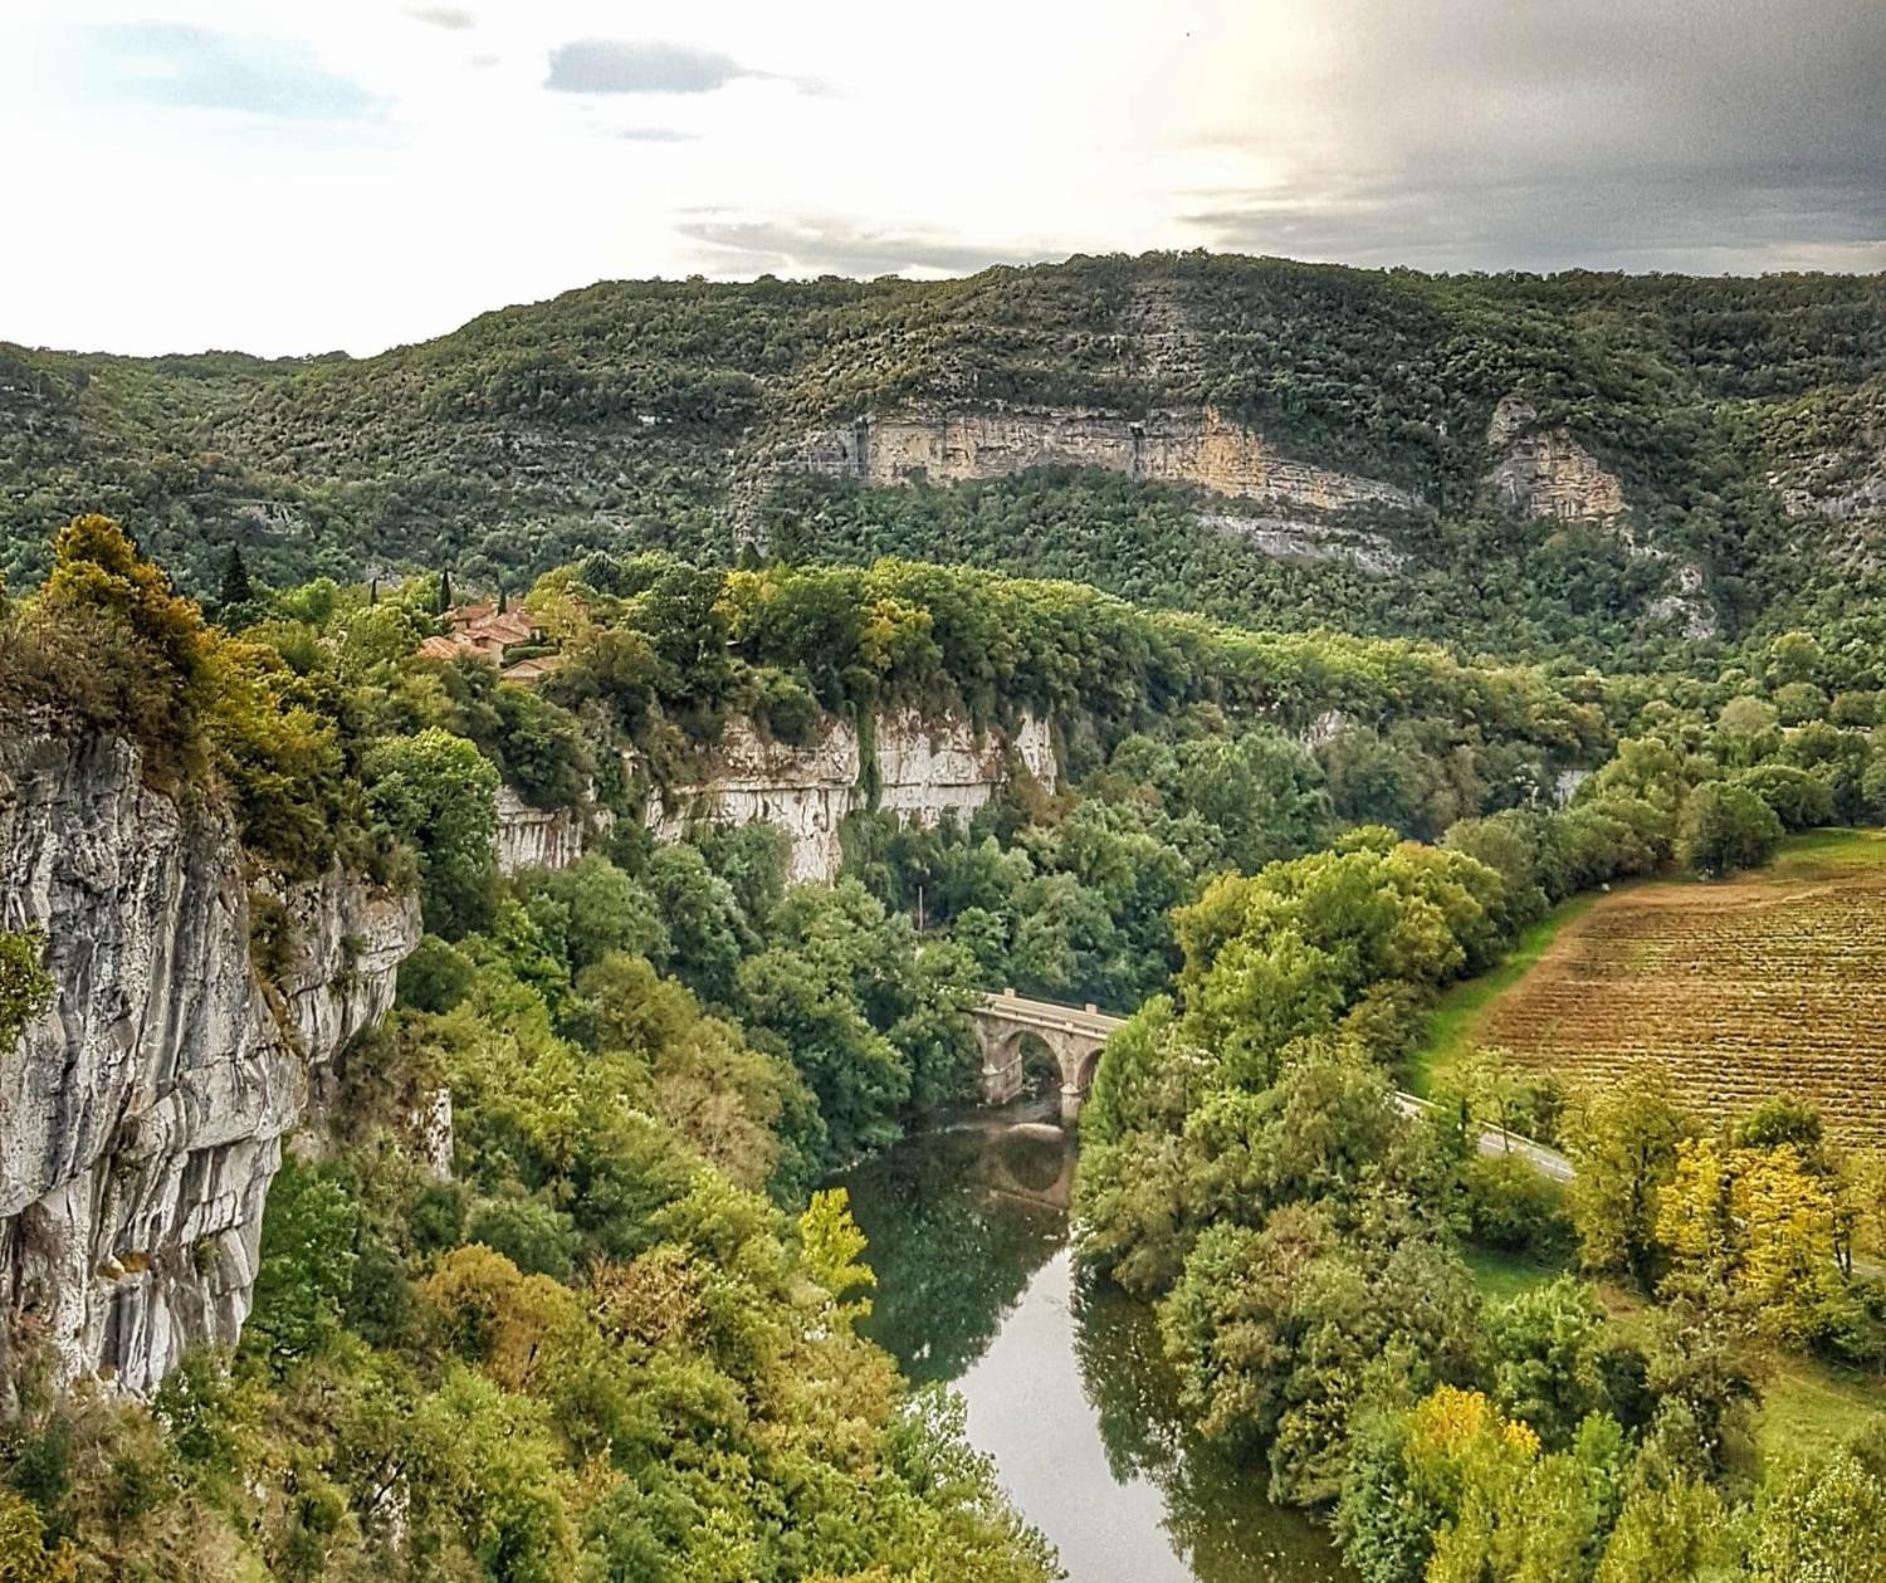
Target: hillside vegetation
[[1741, 418], [1605, 615]]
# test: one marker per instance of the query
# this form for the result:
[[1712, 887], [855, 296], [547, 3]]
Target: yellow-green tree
[[831, 1244], [1760, 1227], [1623, 1141]]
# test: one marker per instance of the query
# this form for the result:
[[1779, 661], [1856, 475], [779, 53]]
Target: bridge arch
[[1073, 1037]]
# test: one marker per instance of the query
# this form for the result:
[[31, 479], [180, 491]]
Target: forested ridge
[[656, 414]]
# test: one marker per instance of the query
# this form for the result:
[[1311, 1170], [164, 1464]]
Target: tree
[[603, 911], [831, 1243], [1760, 1227], [1725, 827], [702, 918], [443, 603], [26, 988], [1547, 1364], [1453, 1491], [1279, 1334], [1799, 798], [307, 1265], [236, 591], [1623, 1141], [1794, 657], [541, 746], [1749, 718], [435, 792], [139, 645], [1262, 792]]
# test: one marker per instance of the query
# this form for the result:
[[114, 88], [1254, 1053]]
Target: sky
[[289, 178]]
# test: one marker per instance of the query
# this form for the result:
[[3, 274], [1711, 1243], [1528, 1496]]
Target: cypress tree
[[445, 592], [237, 589]]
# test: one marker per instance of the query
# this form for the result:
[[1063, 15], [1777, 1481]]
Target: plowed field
[[1773, 982]]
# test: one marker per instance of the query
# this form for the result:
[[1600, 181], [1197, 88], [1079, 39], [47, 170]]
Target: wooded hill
[[1741, 420]]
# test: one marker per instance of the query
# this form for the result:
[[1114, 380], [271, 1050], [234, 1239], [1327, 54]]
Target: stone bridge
[[1074, 1038]]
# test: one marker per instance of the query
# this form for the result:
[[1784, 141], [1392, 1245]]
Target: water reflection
[[1062, 1375]]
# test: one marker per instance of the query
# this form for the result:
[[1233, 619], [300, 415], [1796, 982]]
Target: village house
[[489, 633]]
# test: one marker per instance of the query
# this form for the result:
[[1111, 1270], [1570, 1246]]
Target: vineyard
[[1773, 983]]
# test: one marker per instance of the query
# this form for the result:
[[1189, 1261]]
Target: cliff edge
[[142, 1111]]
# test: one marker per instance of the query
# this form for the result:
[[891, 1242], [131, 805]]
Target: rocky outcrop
[[1198, 447], [142, 1113], [1288, 540], [1860, 496], [1843, 481], [1687, 605], [1545, 472], [530, 837], [923, 770]]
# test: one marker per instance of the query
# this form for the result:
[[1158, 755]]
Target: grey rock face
[[530, 837], [142, 1114], [926, 768], [1291, 540]]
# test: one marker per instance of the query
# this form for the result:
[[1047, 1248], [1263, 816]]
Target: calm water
[[1062, 1375]]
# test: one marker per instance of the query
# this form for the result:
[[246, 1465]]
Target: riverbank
[[1062, 1376]]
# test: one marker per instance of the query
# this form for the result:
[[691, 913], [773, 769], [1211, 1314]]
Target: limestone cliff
[[1197, 447], [1545, 472], [1285, 539], [142, 1113], [528, 837], [923, 769], [1835, 468]]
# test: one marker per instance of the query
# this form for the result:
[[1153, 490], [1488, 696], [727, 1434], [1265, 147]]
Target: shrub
[[1512, 1205], [26, 988]]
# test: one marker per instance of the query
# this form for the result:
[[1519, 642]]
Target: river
[[1061, 1374]]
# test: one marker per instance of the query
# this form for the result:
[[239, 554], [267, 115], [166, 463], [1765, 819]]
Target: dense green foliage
[[606, 1345], [25, 986], [1242, 1164], [1485, 582]]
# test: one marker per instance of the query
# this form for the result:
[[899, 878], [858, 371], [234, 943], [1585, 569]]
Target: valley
[[967, 796], [499, 936]]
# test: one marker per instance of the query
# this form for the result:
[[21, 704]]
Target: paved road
[[1497, 1140]]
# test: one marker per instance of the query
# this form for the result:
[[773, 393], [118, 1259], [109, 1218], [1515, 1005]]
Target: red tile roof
[[532, 669], [511, 626], [465, 615]]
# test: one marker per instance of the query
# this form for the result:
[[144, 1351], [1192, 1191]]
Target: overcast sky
[[302, 175]]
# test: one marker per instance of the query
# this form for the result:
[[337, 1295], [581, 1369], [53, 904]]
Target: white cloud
[[177, 202]]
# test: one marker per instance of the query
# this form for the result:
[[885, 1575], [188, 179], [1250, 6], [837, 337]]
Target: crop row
[[1740, 993]]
